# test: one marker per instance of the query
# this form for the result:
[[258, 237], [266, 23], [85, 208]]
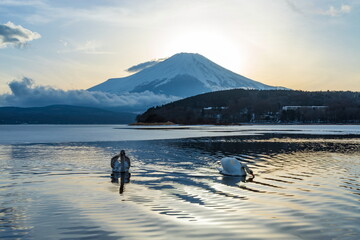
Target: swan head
[[122, 153]]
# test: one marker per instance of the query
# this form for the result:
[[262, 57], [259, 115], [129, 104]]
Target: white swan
[[232, 167]]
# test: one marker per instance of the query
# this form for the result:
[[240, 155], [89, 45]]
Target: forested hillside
[[62, 114], [259, 106]]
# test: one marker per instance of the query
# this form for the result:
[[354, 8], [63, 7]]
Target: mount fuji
[[182, 75]]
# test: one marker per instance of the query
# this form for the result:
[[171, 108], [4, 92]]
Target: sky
[[76, 44]]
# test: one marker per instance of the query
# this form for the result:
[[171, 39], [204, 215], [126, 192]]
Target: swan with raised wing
[[233, 167]]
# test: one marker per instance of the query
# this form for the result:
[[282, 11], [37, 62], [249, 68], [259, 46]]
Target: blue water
[[306, 185]]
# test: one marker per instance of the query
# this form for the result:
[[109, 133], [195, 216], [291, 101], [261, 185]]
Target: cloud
[[15, 35], [311, 8], [25, 93], [335, 12], [87, 47], [294, 7], [21, 3], [144, 65]]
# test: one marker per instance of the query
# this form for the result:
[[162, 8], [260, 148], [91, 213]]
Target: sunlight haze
[[305, 45]]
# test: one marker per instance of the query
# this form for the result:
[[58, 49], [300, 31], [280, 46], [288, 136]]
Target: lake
[[56, 182]]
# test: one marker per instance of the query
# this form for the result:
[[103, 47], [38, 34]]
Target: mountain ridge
[[63, 114]]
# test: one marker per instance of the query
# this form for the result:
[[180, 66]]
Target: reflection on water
[[124, 178], [233, 181], [305, 188]]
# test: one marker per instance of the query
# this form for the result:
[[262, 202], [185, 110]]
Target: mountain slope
[[62, 114], [241, 106], [184, 74]]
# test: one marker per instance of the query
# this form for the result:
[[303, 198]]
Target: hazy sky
[[76, 44]]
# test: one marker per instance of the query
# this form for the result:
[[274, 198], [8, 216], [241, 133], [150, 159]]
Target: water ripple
[[303, 189]]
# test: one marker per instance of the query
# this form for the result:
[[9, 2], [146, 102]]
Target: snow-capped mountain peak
[[183, 75]]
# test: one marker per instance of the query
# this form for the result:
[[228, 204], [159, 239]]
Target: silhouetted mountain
[[182, 75], [273, 106], [62, 114]]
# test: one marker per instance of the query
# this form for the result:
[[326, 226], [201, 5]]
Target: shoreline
[[238, 124]]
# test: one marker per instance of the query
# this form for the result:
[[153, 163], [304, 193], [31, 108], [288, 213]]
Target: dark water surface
[[306, 187]]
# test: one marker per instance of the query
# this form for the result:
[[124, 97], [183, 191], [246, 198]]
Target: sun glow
[[214, 46]]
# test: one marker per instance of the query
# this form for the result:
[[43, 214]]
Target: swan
[[232, 167]]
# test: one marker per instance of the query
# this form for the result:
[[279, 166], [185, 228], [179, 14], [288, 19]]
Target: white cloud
[[144, 65], [87, 47], [25, 93], [21, 3], [49, 12], [15, 35], [345, 8], [294, 7], [335, 12]]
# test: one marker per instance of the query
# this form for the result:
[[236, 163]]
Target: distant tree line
[[259, 106], [62, 114]]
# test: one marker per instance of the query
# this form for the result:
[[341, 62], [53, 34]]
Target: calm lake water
[[56, 183]]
